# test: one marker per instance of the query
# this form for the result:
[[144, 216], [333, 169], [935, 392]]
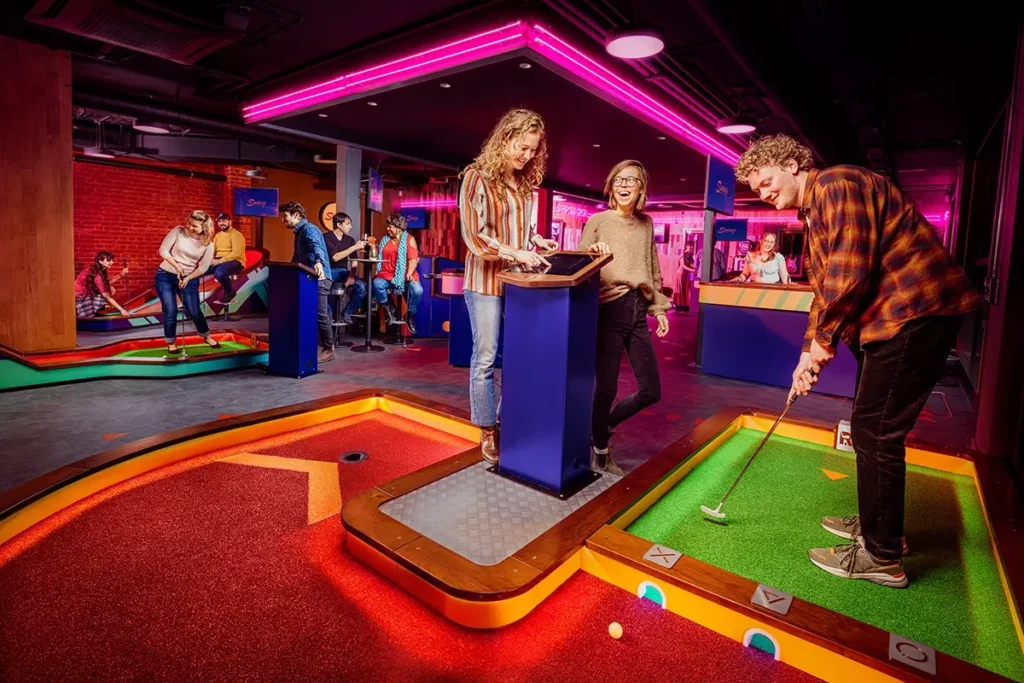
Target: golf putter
[[715, 514]]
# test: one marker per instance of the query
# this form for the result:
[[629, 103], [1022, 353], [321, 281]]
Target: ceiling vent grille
[[136, 25]]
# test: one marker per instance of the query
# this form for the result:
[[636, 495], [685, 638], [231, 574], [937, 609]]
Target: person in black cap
[[228, 255]]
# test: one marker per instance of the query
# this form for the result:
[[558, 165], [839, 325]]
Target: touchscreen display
[[566, 264]]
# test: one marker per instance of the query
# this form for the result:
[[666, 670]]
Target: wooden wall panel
[[37, 305]]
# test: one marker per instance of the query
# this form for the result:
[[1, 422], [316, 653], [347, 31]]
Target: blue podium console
[[548, 376], [294, 297]]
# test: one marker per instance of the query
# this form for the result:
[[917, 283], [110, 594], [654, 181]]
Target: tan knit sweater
[[635, 265]]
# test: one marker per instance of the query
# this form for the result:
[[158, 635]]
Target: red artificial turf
[[208, 571]]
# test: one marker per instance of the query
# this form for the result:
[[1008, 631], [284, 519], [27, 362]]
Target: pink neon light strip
[[383, 66], [575, 61], [473, 48], [431, 204], [480, 46]]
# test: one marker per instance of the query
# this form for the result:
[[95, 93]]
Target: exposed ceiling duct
[[141, 26]]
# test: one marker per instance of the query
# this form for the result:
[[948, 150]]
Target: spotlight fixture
[[99, 153], [256, 173], [634, 43], [323, 116], [144, 126], [735, 125], [372, 104], [446, 85], [324, 159], [662, 137], [525, 65], [596, 145]]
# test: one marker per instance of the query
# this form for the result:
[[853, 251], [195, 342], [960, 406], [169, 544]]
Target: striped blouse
[[496, 223]]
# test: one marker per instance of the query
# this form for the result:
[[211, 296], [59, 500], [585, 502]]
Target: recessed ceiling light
[[372, 104], [144, 126], [323, 116], [526, 65], [634, 44], [589, 185], [446, 85], [736, 125], [682, 180], [661, 137], [596, 145]]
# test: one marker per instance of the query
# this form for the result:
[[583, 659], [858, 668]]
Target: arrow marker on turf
[[324, 497], [833, 475]]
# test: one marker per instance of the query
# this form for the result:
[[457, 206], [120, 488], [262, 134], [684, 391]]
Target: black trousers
[[622, 325], [895, 379], [323, 315]]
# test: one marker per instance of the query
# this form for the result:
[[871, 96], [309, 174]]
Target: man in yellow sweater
[[228, 255]]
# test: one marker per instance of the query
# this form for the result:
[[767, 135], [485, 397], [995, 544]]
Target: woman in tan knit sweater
[[630, 291]]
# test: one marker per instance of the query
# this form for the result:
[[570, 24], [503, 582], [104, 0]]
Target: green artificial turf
[[955, 601], [192, 350]]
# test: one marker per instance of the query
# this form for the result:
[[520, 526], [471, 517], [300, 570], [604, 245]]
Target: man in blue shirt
[[310, 250]]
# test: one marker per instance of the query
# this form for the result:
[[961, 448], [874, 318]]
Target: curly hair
[[202, 220], [772, 150], [609, 187], [493, 158], [397, 220]]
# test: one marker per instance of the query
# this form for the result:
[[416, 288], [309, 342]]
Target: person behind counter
[[186, 252], [630, 291], [770, 264], [311, 251], [884, 284]]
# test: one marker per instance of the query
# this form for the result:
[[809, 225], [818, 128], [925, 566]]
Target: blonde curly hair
[[493, 158], [772, 150], [201, 220]]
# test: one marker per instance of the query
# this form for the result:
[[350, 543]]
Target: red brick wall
[[129, 211]]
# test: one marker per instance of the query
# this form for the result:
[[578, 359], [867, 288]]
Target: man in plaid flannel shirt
[[883, 284]]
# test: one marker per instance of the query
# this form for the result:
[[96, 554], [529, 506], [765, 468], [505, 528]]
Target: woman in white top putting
[[186, 251]]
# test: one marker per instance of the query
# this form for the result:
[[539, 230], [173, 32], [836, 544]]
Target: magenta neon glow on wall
[[486, 44]]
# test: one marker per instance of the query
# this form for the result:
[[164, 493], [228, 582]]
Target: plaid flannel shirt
[[873, 260]]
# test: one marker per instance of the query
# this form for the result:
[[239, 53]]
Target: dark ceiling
[[901, 87], [448, 125]]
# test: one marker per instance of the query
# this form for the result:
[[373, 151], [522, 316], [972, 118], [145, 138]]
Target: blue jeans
[[222, 273], [356, 291], [167, 289], [413, 293], [485, 313]]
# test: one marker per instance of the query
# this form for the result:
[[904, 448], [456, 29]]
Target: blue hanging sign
[[720, 191], [256, 201], [731, 229]]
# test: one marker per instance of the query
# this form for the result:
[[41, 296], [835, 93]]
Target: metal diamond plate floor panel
[[485, 517]]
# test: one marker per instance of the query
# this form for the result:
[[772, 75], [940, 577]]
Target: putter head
[[714, 515]]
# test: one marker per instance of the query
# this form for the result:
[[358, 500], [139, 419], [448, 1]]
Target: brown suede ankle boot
[[489, 444]]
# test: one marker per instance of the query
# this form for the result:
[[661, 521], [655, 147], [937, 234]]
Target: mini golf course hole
[[352, 456]]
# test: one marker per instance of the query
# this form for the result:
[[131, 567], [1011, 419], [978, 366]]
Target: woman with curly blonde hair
[[496, 206], [186, 252]]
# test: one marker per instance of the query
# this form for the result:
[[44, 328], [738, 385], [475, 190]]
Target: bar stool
[[401, 337], [341, 300]]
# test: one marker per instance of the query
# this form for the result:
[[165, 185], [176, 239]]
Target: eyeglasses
[[628, 182]]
